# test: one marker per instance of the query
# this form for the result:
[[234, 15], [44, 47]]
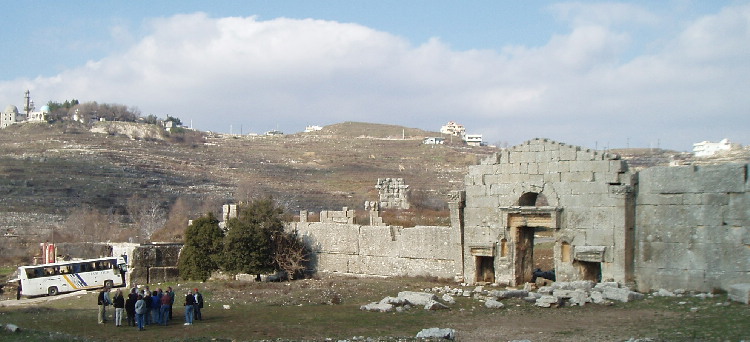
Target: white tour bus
[[74, 275]]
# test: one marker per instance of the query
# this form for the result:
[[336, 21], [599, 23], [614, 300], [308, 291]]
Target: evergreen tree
[[203, 245], [248, 247]]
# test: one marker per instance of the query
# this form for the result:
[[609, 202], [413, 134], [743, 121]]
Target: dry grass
[[328, 308]]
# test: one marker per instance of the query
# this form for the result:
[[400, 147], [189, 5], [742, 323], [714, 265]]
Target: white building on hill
[[11, 115], [707, 148], [454, 129]]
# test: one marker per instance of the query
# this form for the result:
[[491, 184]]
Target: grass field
[[329, 308]]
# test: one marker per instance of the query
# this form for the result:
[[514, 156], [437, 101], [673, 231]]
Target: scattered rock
[[547, 301], [446, 333], [448, 299], [379, 307], [417, 298], [740, 293], [435, 305], [493, 304], [12, 328]]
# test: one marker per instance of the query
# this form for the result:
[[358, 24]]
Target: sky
[[595, 74]]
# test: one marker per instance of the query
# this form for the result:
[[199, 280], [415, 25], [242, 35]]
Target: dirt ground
[[317, 301]]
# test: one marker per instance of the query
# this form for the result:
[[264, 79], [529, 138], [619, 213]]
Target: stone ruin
[[393, 193], [155, 263], [684, 227]]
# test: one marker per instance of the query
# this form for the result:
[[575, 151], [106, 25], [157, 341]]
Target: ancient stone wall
[[584, 195], [153, 263], [393, 193], [381, 250], [693, 227]]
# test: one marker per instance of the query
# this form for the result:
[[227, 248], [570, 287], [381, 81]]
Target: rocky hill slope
[[48, 170]]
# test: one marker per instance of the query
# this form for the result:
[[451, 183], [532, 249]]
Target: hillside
[[49, 170]]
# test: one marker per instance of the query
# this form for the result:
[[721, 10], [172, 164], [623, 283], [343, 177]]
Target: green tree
[[177, 121], [202, 250], [248, 247]]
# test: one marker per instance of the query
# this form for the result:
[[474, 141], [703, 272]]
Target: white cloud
[[577, 88]]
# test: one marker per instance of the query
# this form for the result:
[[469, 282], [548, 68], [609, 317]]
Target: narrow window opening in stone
[[590, 270], [528, 199], [532, 199], [565, 252], [504, 247], [485, 269]]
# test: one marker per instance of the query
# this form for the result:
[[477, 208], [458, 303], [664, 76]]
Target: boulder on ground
[[377, 307], [448, 299], [493, 304], [548, 301], [435, 305], [12, 328], [446, 333], [740, 293], [417, 298], [621, 294], [509, 294], [397, 301]]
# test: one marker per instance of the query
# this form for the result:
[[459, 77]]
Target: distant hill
[[371, 130], [46, 171], [49, 170]]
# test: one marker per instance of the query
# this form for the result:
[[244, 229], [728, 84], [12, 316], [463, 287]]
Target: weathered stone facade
[[586, 196], [693, 227], [381, 250], [682, 227]]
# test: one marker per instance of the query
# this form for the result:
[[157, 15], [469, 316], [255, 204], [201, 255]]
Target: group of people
[[145, 307]]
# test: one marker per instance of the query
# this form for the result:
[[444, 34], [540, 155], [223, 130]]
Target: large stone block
[[740, 293], [568, 153], [582, 176], [724, 178], [660, 199], [379, 240], [738, 210], [163, 274]]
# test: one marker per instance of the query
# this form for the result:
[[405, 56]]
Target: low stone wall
[[381, 250], [155, 263], [693, 227]]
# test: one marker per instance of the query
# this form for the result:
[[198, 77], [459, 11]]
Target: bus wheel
[[108, 284], [52, 291]]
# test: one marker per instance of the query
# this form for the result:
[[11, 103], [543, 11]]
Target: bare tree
[[177, 222], [89, 225], [290, 253], [147, 215]]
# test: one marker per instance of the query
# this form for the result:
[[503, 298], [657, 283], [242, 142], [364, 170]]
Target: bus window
[[76, 268], [65, 269], [50, 271], [38, 272], [30, 273]]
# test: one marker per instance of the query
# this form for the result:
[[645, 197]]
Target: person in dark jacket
[[103, 300], [130, 307], [170, 292], [119, 303], [189, 307], [198, 304], [147, 304]]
